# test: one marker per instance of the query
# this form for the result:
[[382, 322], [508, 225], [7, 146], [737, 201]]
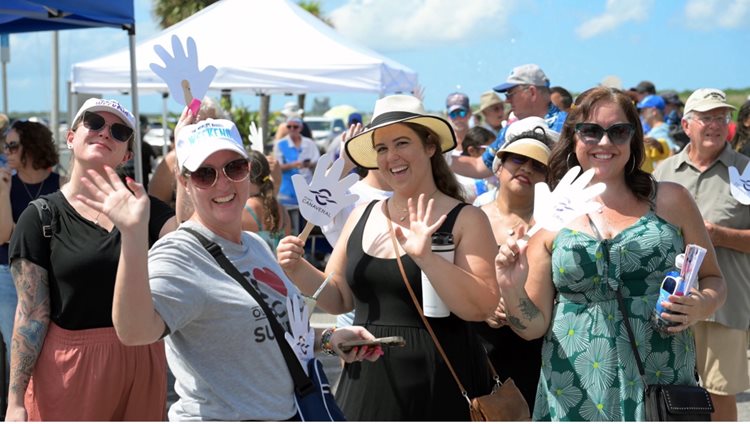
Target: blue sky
[[469, 46]]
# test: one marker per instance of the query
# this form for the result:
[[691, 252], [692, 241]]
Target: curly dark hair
[[38, 145], [260, 175], [742, 136], [445, 179], [563, 155]]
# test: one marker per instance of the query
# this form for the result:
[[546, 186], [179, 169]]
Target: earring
[[70, 146]]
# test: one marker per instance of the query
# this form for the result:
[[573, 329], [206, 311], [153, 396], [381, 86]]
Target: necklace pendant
[[402, 219]]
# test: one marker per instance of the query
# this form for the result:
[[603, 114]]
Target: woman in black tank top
[[410, 382]]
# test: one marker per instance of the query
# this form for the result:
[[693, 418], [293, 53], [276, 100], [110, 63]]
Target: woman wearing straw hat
[[519, 164], [411, 382]]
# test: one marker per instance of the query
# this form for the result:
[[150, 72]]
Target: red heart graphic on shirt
[[270, 279]]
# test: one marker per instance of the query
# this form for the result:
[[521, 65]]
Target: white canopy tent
[[262, 46]]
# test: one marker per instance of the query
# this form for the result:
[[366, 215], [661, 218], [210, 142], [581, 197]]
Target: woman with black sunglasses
[[519, 164], [67, 363], [31, 153], [564, 286]]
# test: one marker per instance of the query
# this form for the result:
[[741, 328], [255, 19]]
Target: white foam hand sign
[[571, 199], [739, 185], [181, 66], [302, 337], [326, 195], [256, 138]]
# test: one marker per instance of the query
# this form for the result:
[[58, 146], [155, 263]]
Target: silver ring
[[511, 232]]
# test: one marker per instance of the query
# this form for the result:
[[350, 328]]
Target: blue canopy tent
[[53, 15]]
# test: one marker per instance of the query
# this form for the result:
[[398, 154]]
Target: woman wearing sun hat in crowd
[[564, 285], [410, 382], [220, 346], [66, 361], [30, 152], [519, 164]]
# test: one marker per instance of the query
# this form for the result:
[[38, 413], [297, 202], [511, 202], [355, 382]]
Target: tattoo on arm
[[515, 322], [32, 321], [528, 309]]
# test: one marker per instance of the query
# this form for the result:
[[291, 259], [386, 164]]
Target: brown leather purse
[[505, 402]]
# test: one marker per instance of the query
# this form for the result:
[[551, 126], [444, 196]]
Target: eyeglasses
[[12, 147], [719, 119], [206, 176], [592, 134], [293, 127], [96, 122], [515, 90], [458, 113], [520, 160]]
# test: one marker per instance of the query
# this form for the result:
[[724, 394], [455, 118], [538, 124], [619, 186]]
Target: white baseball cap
[[198, 141], [705, 99], [529, 74], [106, 105]]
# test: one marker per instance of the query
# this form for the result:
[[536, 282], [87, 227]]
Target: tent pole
[[265, 106], [54, 119], [137, 158], [164, 127]]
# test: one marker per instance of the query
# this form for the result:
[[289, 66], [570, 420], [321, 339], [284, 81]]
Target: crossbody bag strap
[[302, 383], [427, 325], [624, 312]]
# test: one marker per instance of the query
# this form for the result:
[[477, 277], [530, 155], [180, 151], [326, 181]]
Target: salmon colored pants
[[88, 375]]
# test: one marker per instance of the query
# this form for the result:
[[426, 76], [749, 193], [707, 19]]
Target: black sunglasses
[[592, 134], [293, 127], [12, 146], [206, 176], [96, 122], [520, 160]]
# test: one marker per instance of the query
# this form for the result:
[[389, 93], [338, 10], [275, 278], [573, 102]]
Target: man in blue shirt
[[527, 91]]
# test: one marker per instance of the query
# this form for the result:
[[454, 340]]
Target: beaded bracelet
[[325, 341]]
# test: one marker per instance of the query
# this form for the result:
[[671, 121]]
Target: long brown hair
[[260, 175], [563, 155], [38, 144], [445, 179]]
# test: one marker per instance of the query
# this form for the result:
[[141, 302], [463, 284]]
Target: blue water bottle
[[672, 284]]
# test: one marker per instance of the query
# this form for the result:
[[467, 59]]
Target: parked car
[[155, 137], [325, 130]]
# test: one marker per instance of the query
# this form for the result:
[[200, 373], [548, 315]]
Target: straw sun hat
[[391, 110]]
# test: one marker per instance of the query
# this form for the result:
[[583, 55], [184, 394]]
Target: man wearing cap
[[492, 111], [659, 145], [527, 90], [459, 114], [702, 167]]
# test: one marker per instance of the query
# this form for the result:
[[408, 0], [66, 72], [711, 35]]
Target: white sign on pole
[[181, 73], [739, 185]]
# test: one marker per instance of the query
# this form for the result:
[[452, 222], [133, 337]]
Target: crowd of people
[[115, 285]]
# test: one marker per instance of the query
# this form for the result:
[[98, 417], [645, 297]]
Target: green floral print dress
[[589, 372]]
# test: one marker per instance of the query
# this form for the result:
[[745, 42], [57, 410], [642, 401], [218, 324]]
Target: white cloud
[[709, 14], [616, 14], [390, 25]]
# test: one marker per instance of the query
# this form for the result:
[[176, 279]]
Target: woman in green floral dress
[[563, 286]]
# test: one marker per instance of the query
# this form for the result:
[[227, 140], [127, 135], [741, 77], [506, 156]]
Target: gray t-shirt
[[221, 348]]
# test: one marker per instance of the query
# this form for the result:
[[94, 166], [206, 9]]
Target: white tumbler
[[433, 306]]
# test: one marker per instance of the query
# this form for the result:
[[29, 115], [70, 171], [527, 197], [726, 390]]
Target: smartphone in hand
[[396, 341]]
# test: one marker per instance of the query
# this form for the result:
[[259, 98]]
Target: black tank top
[[380, 296]]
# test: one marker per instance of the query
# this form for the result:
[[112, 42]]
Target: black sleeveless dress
[[410, 383]]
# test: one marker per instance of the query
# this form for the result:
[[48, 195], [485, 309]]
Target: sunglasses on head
[[458, 113], [95, 122], [12, 147], [520, 160], [591, 133], [206, 176]]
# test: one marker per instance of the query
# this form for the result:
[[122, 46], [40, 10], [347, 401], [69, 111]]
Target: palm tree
[[169, 12]]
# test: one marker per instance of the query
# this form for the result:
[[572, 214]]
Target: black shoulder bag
[[665, 402], [313, 396]]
